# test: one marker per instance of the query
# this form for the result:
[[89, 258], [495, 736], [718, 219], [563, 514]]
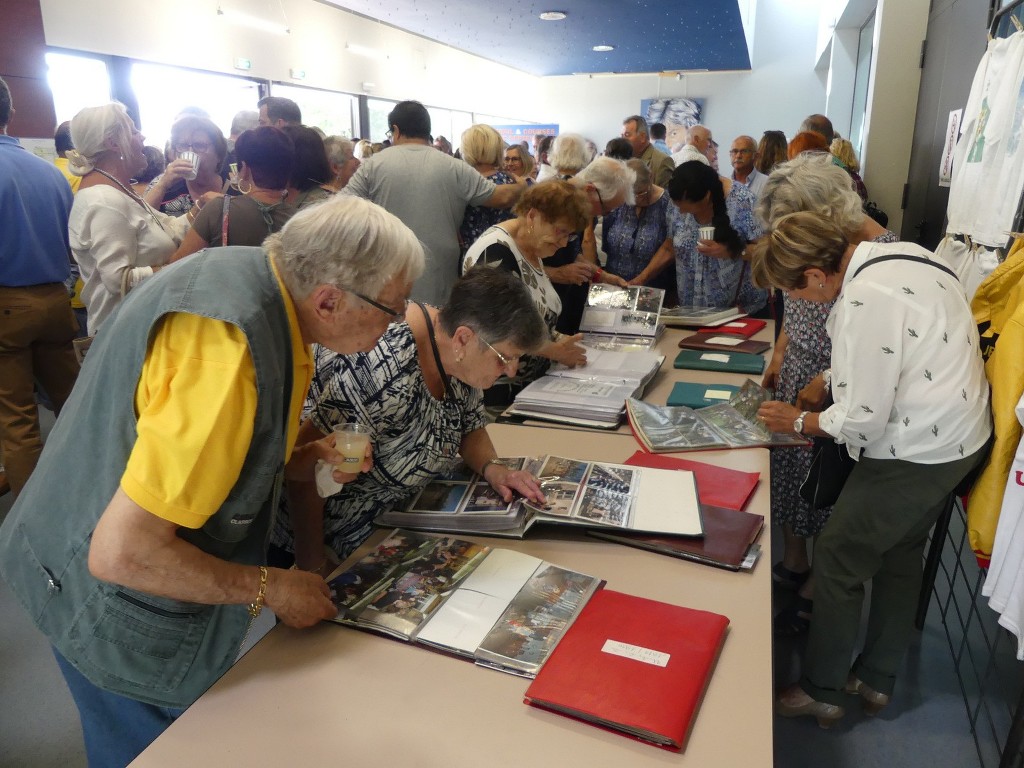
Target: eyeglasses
[[605, 210], [505, 361], [396, 316], [389, 134], [741, 151], [195, 146], [514, 160]]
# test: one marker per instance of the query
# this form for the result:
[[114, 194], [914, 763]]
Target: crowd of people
[[243, 294]]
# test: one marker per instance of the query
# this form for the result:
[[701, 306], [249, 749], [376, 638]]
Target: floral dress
[[808, 354], [630, 240], [478, 218], [705, 281]]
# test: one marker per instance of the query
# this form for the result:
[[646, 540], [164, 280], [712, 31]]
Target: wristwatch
[[798, 423]]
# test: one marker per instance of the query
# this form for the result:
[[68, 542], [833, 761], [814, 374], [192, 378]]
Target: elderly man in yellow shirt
[[142, 557]]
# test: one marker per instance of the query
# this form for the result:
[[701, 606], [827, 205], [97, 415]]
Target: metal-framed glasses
[[396, 315], [505, 361], [194, 146]]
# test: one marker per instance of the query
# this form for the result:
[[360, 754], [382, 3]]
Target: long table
[[332, 695]]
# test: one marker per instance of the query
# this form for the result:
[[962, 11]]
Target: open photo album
[[627, 318], [499, 608], [582, 493]]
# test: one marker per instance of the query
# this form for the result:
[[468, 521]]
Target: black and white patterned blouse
[[907, 375], [415, 437]]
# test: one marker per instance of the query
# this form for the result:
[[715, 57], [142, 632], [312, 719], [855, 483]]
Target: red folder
[[716, 486], [741, 326], [707, 341], [637, 666]]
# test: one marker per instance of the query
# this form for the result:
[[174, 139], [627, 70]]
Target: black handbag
[[830, 466]]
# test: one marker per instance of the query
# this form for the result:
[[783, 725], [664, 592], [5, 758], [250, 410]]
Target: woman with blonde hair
[[117, 238], [809, 182], [911, 408], [519, 162], [482, 147]]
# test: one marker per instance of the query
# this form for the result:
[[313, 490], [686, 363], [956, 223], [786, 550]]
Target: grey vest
[[153, 649]]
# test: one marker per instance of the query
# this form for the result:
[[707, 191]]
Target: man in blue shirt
[[658, 134], [36, 322]]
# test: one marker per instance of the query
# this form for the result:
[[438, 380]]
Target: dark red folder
[[716, 486], [706, 341], [637, 666], [741, 326], [728, 534]]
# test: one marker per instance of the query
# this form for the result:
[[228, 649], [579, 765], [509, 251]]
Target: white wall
[[780, 91], [192, 35]]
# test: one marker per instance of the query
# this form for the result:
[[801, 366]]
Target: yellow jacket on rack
[[998, 308]]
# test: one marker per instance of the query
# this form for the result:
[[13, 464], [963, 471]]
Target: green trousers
[[877, 532]]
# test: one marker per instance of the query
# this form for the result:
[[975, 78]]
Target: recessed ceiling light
[[604, 48], [553, 15]]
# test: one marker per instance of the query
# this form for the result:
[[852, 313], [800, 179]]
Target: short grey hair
[[91, 128], [609, 176], [243, 121], [497, 305], [811, 182], [339, 149], [346, 242], [641, 124], [569, 153]]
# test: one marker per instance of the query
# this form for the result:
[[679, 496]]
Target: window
[[76, 81], [332, 112], [379, 110], [164, 91], [860, 85]]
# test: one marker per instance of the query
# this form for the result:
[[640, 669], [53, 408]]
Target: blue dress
[[705, 281], [478, 219], [630, 240]]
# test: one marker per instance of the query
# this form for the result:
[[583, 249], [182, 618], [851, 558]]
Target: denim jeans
[[116, 728]]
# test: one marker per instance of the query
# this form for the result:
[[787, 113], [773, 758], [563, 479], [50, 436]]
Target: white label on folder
[[733, 325], [646, 655], [725, 341], [717, 394], [715, 357]]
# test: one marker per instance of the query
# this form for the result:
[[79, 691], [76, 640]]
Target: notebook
[[744, 326], [694, 395], [725, 342], [716, 486], [732, 362], [633, 665]]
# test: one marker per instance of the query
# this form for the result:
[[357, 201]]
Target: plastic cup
[[192, 157], [350, 440], [707, 233]]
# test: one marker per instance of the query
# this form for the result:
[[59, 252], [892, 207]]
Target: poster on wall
[[952, 136], [513, 134], [677, 114]]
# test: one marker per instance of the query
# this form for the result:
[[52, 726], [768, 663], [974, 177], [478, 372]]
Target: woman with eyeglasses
[[418, 390], [116, 237], [549, 215], [265, 156], [173, 191], [519, 162], [634, 234]]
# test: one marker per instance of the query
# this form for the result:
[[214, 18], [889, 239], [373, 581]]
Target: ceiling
[[648, 35]]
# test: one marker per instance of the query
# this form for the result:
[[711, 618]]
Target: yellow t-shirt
[[196, 405]]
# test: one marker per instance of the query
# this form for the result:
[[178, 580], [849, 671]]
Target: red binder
[[741, 326], [636, 666], [716, 486]]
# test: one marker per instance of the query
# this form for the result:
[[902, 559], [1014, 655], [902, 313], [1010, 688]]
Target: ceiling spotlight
[[604, 48], [552, 15]]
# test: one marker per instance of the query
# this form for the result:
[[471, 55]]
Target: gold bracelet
[[256, 607]]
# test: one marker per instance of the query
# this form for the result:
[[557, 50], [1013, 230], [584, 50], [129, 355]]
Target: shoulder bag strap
[[224, 220], [906, 257]]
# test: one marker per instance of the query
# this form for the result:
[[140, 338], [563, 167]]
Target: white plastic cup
[[192, 157], [707, 233], [351, 440]]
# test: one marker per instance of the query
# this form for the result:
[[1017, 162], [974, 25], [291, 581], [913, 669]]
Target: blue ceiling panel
[[648, 35]]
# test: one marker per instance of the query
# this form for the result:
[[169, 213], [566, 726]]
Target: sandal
[[788, 579], [795, 619]]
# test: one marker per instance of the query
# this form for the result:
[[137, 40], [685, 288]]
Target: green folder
[[733, 362], [694, 395]]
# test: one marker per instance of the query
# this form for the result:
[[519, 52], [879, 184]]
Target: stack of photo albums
[[620, 327], [509, 611]]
